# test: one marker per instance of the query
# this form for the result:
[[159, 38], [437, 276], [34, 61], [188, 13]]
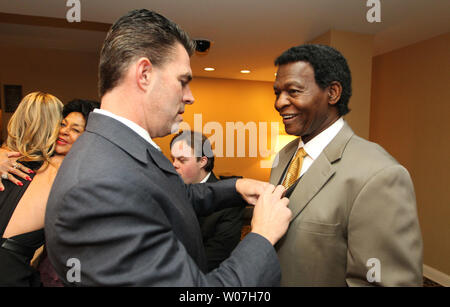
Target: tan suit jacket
[[355, 203]]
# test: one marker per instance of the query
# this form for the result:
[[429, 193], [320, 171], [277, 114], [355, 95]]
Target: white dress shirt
[[206, 178], [317, 144], [130, 124]]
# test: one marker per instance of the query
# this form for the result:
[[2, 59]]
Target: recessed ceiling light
[[209, 69], [245, 71]]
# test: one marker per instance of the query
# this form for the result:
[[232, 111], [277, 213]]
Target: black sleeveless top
[[16, 252]]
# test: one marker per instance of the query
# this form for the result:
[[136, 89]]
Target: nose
[[175, 164], [281, 101], [63, 130], [188, 98]]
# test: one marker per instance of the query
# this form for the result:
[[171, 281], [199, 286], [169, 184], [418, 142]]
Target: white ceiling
[[245, 33]]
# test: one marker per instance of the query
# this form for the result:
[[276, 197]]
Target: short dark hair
[[82, 106], [328, 64], [193, 139], [138, 33]]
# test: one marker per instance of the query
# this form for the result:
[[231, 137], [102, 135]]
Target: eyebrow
[[187, 77], [290, 83], [74, 124]]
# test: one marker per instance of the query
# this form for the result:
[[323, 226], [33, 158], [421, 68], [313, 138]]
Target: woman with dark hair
[[37, 132], [76, 114]]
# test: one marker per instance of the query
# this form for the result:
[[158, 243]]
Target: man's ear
[[203, 161], [334, 92], [144, 70]]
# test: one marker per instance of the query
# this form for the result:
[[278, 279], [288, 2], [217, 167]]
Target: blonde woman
[[33, 132]]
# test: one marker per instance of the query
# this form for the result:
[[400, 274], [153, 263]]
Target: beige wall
[[357, 49], [410, 118], [232, 101], [65, 74]]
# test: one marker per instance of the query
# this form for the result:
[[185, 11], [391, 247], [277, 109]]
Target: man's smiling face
[[300, 101]]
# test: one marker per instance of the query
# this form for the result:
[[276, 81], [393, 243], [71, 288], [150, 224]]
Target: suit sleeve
[[384, 238], [124, 238], [207, 198]]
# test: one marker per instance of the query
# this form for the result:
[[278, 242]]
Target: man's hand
[[251, 189], [9, 166], [271, 216]]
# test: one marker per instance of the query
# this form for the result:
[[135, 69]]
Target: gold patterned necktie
[[294, 169]]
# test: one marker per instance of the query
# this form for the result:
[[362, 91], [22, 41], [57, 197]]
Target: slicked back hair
[[139, 33]]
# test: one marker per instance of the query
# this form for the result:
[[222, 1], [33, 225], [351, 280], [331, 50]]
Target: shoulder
[[367, 164], [368, 155], [56, 160], [99, 167], [372, 166]]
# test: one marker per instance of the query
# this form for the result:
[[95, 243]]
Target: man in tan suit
[[354, 217]]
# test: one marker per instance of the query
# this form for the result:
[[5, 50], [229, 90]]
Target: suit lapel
[[335, 149], [128, 140], [319, 173], [212, 178], [119, 134], [281, 161], [161, 161], [310, 184]]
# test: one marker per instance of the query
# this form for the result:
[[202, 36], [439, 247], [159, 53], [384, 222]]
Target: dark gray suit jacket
[[221, 231], [119, 207]]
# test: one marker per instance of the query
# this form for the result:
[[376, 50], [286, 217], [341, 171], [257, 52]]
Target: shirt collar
[[316, 145], [206, 178], [132, 125]]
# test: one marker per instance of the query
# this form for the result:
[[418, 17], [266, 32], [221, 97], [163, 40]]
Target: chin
[[292, 131], [174, 128], [295, 129], [61, 151]]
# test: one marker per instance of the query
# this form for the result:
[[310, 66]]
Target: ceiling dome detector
[[202, 45]]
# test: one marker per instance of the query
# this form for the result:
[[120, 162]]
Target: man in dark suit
[[118, 213], [193, 159]]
